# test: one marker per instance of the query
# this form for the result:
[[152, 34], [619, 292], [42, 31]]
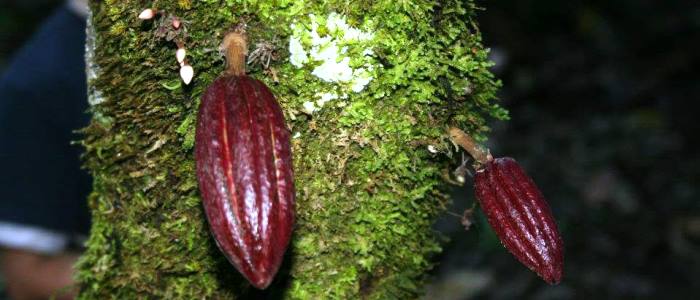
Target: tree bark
[[369, 159]]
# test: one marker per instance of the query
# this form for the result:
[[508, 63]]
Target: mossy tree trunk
[[368, 117]]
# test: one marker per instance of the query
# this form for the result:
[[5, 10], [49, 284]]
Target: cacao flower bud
[[186, 73], [147, 14], [244, 168], [520, 216], [180, 54]]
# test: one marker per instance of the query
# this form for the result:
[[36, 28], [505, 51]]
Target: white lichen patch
[[324, 47], [325, 97], [334, 71], [95, 96], [361, 77], [309, 107], [297, 55]]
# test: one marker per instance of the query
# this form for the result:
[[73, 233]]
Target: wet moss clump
[[368, 188]]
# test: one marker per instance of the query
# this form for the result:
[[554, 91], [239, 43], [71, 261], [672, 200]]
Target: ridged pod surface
[[244, 168], [520, 216]]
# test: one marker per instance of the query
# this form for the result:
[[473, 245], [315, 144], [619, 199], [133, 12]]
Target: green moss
[[367, 188]]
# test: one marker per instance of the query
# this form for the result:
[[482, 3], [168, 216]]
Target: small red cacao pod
[[520, 216], [244, 168]]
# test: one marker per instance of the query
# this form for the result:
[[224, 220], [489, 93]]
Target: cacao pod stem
[[479, 153], [235, 46]]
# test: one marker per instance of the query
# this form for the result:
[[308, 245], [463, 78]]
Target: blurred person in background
[[43, 215]]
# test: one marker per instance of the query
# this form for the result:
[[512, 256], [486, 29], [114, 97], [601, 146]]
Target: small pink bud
[[186, 73], [147, 14], [180, 55], [176, 23]]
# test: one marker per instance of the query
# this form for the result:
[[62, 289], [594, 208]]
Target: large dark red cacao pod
[[520, 216], [244, 168]]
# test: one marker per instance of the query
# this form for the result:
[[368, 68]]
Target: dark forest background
[[601, 96]]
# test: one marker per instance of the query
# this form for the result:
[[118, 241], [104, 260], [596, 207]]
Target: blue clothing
[[42, 102]]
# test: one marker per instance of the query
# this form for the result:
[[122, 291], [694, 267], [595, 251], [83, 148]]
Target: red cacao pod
[[520, 216], [244, 168]]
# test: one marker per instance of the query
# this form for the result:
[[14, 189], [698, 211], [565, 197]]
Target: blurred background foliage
[[601, 95]]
